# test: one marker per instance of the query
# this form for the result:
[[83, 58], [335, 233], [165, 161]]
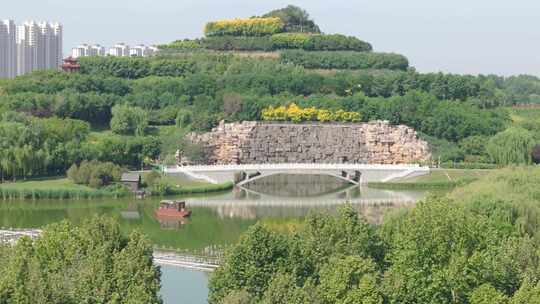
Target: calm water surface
[[217, 220]]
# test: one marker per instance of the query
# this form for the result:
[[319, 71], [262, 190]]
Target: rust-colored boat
[[169, 208]]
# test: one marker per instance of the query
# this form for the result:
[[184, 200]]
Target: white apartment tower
[[80, 51], [96, 50], [120, 50], [142, 50], [87, 50], [8, 49], [39, 46]]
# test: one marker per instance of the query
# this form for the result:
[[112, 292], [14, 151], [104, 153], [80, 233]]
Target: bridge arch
[[352, 179]]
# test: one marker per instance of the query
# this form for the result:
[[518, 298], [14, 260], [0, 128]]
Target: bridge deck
[[369, 172]]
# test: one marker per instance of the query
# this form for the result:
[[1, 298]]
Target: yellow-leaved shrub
[[294, 113], [244, 27]]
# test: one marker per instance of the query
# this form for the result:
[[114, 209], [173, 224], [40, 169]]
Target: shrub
[[244, 27], [94, 173], [345, 60], [129, 120], [234, 43], [183, 118], [186, 44], [151, 178], [289, 40], [512, 146], [336, 42], [296, 114], [468, 165]]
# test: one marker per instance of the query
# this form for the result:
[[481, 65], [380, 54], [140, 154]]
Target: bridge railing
[[292, 166]]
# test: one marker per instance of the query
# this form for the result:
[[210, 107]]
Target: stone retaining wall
[[375, 142]]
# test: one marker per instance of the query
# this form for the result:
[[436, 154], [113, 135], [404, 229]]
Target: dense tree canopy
[[478, 245], [92, 263], [513, 146], [195, 90], [295, 19]]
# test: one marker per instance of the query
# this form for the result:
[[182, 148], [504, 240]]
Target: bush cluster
[[233, 43], [300, 41], [345, 60], [296, 114], [319, 42], [244, 27], [129, 120], [185, 44], [94, 173]]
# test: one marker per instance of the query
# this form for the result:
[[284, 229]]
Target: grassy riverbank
[[436, 179], [55, 188], [63, 188]]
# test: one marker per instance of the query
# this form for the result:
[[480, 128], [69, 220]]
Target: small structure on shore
[[132, 180]]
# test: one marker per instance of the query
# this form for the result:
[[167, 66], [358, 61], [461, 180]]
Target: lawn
[[57, 183], [445, 175], [519, 115]]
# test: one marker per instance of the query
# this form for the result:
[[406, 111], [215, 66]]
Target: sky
[[454, 36]]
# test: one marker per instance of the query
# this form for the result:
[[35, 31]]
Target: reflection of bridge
[[248, 204], [352, 173]]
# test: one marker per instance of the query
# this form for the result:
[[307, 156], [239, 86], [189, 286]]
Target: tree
[[92, 263], [232, 103], [512, 146], [295, 19], [94, 173], [350, 279], [129, 120], [487, 294], [283, 286], [250, 265], [528, 293]]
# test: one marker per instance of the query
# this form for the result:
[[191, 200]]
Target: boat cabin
[[174, 205], [172, 208]]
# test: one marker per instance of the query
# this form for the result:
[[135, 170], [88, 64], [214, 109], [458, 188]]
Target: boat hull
[[173, 213]]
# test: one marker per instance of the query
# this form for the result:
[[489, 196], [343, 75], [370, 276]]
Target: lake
[[217, 220]]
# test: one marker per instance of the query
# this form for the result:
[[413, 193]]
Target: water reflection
[[217, 220], [296, 185]]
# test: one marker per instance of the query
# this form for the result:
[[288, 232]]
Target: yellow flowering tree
[[244, 27], [294, 113]]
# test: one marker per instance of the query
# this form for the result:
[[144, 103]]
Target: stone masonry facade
[[376, 142]]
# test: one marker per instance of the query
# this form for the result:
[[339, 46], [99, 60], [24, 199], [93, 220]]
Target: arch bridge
[[352, 173]]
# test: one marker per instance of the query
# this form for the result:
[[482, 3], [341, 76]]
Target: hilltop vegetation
[[134, 111]]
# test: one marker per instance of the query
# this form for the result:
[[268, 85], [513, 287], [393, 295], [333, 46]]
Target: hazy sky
[[459, 36]]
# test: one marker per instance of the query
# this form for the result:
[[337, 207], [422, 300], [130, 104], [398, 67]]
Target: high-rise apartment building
[[96, 50], [80, 51], [29, 47], [142, 51], [120, 50], [87, 50], [8, 49]]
